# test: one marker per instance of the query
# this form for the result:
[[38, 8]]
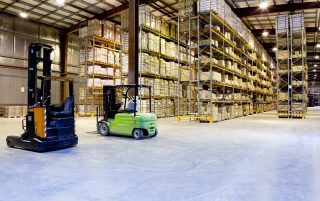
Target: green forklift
[[124, 119]]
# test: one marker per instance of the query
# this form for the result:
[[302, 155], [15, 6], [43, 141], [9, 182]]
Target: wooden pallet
[[295, 116], [13, 117], [194, 117]]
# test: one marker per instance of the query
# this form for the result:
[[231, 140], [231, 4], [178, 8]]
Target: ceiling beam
[[166, 5], [258, 32], [310, 56], [103, 15], [43, 9], [272, 45], [118, 9], [34, 13], [164, 11], [13, 14], [107, 14], [251, 11]]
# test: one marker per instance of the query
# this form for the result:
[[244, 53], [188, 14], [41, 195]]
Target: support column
[[64, 64], [133, 70]]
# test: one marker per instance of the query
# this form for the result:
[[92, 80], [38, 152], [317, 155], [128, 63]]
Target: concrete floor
[[255, 158]]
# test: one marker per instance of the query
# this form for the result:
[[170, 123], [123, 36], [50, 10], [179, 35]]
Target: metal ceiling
[[76, 11], [48, 12]]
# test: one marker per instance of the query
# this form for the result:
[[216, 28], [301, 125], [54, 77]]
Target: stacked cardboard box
[[158, 109], [163, 46], [154, 65], [189, 25], [118, 34], [173, 31], [144, 63], [246, 109], [186, 7], [224, 11], [13, 111], [124, 63], [171, 49], [125, 41], [93, 29], [206, 95], [109, 30], [101, 55], [215, 76], [2, 111], [153, 42], [97, 82], [86, 108], [162, 107], [169, 108], [145, 18], [144, 106], [183, 106], [102, 49], [96, 69], [165, 28]]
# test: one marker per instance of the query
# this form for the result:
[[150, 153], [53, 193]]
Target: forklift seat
[[65, 109], [131, 104]]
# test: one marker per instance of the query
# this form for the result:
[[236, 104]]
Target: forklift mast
[[109, 99], [46, 127], [39, 52]]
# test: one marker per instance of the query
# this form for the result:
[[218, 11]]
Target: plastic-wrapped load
[[94, 28], [109, 30]]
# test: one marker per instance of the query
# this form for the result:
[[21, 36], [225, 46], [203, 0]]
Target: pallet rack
[[292, 66], [225, 81], [186, 59], [99, 63], [153, 60]]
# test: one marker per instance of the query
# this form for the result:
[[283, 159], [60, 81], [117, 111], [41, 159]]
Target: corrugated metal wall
[[15, 35], [73, 62], [11, 81]]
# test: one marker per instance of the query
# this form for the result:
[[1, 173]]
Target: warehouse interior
[[159, 100]]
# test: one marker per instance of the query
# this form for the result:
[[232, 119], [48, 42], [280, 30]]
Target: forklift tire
[[137, 134], [9, 144], [103, 129], [155, 133]]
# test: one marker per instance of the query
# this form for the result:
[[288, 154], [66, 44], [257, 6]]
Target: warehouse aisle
[[252, 158]]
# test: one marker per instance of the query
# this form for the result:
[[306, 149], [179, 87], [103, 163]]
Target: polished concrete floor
[[255, 158]]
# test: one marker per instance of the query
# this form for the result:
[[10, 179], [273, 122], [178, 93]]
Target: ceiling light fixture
[[316, 57], [318, 45], [314, 70], [23, 15], [265, 33], [315, 65], [263, 4], [60, 2], [275, 49]]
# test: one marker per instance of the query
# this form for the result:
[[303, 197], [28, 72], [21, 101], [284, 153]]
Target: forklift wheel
[[103, 129], [9, 144], [155, 133], [137, 134]]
